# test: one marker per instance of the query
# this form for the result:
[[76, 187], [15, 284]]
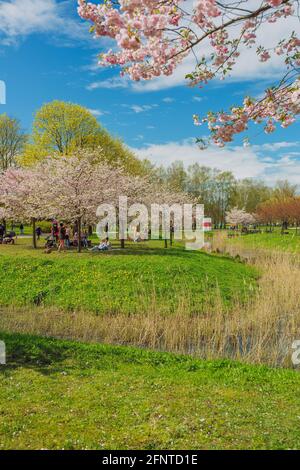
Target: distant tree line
[[220, 191]]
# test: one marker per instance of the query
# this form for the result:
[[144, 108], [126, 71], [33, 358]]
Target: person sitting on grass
[[103, 246], [137, 237], [9, 238]]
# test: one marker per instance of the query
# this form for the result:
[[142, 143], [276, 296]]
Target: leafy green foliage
[[62, 128]]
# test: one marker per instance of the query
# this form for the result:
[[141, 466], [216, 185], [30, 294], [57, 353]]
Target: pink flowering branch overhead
[[153, 37]]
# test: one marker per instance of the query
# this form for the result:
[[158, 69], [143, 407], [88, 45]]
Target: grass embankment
[[56, 394], [259, 329], [274, 241], [121, 281]]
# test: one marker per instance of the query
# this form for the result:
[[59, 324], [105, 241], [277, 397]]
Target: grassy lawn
[[272, 241], [128, 281], [57, 394]]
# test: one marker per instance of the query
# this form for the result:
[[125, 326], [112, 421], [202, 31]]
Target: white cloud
[[139, 137], [198, 99], [114, 82], [97, 112], [141, 108], [278, 146], [168, 99], [250, 162], [20, 18]]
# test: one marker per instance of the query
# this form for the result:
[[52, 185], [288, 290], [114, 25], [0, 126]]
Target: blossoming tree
[[23, 196], [77, 185], [154, 37], [237, 217]]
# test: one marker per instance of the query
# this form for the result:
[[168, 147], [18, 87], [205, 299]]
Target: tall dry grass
[[260, 331]]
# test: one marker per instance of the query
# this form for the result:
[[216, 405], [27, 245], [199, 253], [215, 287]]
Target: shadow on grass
[[173, 252], [28, 351], [149, 248]]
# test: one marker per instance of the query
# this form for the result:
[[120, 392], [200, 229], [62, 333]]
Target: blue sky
[[47, 53]]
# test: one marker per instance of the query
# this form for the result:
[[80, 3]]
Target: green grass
[[120, 281], [271, 241], [57, 394]]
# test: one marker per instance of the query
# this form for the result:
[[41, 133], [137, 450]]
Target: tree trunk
[[166, 243], [79, 235], [34, 233], [122, 243]]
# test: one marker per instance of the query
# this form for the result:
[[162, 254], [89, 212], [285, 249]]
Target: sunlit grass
[[121, 281], [63, 395]]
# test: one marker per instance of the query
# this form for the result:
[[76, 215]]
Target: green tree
[[213, 188], [225, 187], [284, 190], [62, 128], [12, 141], [250, 193], [177, 176], [65, 126]]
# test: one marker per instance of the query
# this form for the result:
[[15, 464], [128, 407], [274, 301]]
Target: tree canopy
[[62, 128]]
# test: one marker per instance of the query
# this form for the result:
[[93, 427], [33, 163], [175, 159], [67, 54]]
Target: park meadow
[[149, 228]]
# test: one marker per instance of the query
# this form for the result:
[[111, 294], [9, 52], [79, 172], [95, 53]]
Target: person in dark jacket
[[62, 237], [38, 232]]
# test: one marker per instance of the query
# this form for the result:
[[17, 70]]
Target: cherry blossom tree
[[237, 217], [23, 196], [143, 190], [154, 37], [167, 198], [72, 188], [68, 188], [78, 184]]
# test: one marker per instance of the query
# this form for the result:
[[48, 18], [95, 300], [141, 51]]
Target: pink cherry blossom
[[153, 38]]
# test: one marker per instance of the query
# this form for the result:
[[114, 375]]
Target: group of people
[[7, 237], [62, 236], [65, 236]]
